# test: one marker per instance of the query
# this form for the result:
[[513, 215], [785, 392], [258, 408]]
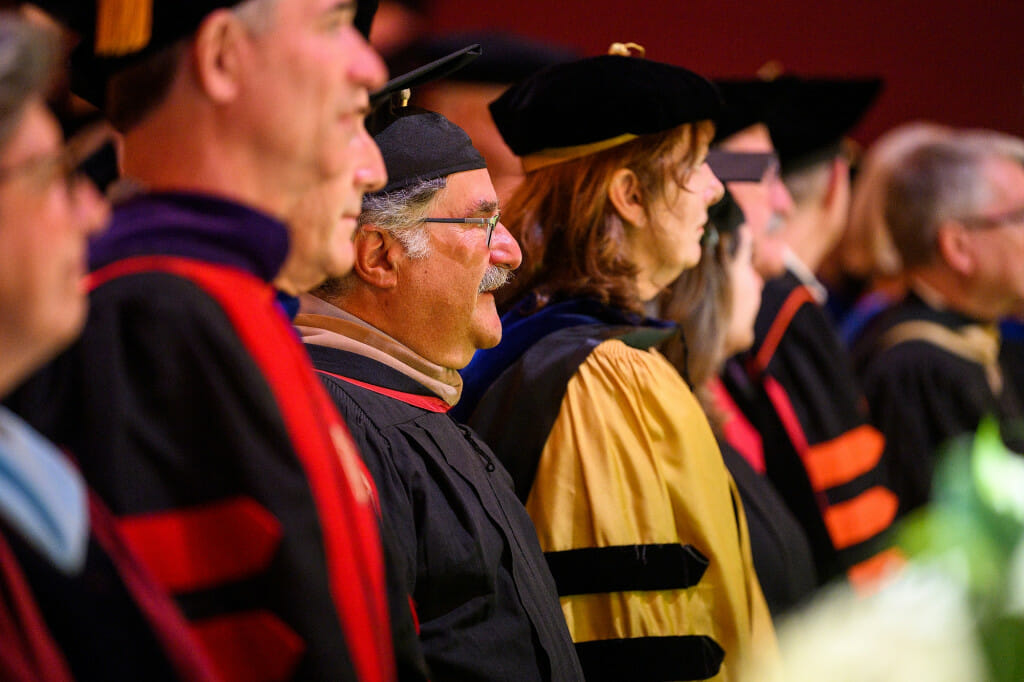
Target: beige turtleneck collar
[[322, 324]]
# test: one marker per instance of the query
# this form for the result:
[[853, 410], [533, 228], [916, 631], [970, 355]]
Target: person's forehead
[[752, 139], [1006, 176], [468, 193], [310, 9]]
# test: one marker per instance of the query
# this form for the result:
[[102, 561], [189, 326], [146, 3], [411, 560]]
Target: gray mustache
[[494, 278]]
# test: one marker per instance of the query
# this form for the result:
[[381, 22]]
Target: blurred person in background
[[865, 268], [188, 402], [715, 304], [795, 385], [931, 364], [77, 604]]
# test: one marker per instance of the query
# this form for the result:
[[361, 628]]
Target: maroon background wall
[[959, 62]]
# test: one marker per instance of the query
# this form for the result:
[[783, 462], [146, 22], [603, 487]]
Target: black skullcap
[[808, 125], [746, 102], [419, 145], [507, 58], [598, 99]]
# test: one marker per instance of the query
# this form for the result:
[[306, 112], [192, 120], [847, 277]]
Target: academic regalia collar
[[289, 304], [192, 225], [322, 324], [803, 273], [523, 326], [42, 495]]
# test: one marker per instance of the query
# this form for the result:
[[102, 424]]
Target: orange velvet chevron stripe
[[797, 298], [862, 517], [844, 458]]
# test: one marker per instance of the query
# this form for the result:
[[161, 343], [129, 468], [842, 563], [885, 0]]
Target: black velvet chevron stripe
[[650, 659], [626, 567]]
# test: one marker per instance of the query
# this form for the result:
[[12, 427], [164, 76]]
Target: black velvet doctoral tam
[[600, 98]]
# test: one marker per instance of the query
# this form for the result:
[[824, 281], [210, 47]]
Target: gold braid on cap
[[626, 49], [123, 26]]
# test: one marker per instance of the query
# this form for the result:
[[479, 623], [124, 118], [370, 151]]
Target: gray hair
[[257, 15], [28, 57], [809, 183], [944, 180], [399, 214]]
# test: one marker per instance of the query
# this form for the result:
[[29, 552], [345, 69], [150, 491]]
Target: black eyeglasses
[[491, 223], [65, 164]]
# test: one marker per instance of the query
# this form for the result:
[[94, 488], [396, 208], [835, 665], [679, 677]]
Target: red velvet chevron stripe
[[200, 547]]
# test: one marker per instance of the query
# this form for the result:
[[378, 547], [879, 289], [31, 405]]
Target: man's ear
[[955, 247], [376, 257], [626, 195], [838, 189], [217, 55]]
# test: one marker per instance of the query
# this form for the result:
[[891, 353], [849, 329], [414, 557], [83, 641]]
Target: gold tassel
[[770, 70], [123, 26], [626, 49]]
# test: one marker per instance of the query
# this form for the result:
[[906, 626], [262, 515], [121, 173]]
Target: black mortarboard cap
[[599, 101], [419, 145], [809, 124], [746, 102], [435, 70], [116, 34], [365, 12], [507, 58]]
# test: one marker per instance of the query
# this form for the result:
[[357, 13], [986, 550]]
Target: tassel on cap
[[627, 49], [123, 26]]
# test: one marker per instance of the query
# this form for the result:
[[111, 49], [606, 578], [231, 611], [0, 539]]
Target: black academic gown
[[782, 555], [923, 394], [797, 388], [484, 596], [193, 411]]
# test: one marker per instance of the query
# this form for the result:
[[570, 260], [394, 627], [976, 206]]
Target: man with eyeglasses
[[388, 340], [932, 366], [743, 151], [795, 387]]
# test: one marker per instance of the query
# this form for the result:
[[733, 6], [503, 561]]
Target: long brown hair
[[573, 240], [700, 301]]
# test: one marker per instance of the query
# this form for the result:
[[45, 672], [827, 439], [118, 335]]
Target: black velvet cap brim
[[746, 102], [419, 145], [172, 21], [435, 70], [600, 98], [809, 124], [506, 58]]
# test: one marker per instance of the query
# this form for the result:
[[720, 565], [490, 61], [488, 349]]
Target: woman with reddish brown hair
[[606, 444]]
